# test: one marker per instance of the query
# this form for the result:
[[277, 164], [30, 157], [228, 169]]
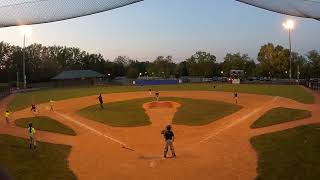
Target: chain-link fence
[[314, 86], [4, 91]]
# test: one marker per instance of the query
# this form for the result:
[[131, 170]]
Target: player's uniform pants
[[32, 141], [169, 143]]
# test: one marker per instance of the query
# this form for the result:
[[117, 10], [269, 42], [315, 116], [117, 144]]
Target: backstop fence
[[314, 86], [4, 91]]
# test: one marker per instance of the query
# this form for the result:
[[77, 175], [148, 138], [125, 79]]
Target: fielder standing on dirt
[[34, 109], [101, 101], [51, 105], [150, 91], [7, 115], [169, 139], [236, 97], [157, 95]]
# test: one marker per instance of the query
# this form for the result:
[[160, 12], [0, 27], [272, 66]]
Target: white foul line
[[92, 129], [237, 121]]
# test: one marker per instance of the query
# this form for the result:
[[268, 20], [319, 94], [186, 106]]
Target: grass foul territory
[[280, 115], [44, 123], [48, 161], [289, 154]]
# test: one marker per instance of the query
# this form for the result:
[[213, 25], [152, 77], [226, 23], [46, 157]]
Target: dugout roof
[[77, 74]]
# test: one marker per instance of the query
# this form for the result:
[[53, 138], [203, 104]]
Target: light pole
[[289, 25], [26, 30], [24, 62]]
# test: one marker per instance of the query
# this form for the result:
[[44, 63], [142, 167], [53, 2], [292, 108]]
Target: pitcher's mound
[[160, 104]]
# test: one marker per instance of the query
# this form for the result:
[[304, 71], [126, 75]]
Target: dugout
[[76, 78]]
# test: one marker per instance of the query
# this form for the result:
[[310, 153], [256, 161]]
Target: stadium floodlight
[[300, 8], [26, 30], [27, 12], [289, 25]]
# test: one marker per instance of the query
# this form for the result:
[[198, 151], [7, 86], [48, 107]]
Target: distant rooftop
[[77, 74]]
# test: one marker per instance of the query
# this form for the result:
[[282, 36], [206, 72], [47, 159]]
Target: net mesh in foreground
[[26, 12], [300, 8]]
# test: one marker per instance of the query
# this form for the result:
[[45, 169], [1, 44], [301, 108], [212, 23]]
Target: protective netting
[[25, 12], [301, 8]]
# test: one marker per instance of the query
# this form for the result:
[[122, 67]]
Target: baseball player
[[236, 97], [34, 109], [32, 132], [157, 95], [7, 115], [51, 104], [100, 98], [150, 91], [169, 139]]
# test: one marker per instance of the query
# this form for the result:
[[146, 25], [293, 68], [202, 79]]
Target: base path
[[220, 150]]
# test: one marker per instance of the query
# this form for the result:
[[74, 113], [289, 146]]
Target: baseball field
[[271, 132]]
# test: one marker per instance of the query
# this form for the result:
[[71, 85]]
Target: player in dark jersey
[[169, 139], [33, 109], [100, 98], [157, 95]]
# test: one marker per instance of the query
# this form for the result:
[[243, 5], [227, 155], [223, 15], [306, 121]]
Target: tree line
[[44, 62]]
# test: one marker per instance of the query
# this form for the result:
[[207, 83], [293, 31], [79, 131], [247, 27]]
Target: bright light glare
[[26, 30], [289, 24]]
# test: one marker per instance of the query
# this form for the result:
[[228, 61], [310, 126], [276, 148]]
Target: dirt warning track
[[220, 150]]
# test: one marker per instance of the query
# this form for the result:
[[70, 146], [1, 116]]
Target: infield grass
[[193, 112]]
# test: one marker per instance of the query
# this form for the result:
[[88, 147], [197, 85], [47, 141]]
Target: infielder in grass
[[169, 139], [100, 98], [7, 116], [32, 132], [157, 95]]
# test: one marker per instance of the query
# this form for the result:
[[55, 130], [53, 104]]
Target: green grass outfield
[[193, 112], [289, 154], [48, 161], [280, 115], [44, 123], [293, 92]]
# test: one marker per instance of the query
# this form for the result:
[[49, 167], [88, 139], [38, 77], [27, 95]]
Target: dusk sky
[[179, 28]]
